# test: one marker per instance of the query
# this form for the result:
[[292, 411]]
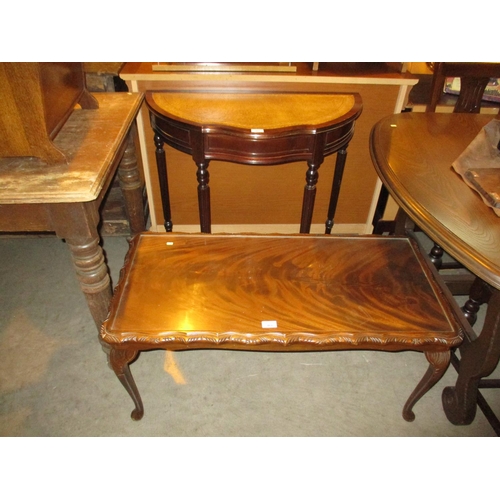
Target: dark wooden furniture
[[254, 129], [473, 80], [65, 197], [278, 293], [37, 99], [272, 292], [413, 153], [247, 201]]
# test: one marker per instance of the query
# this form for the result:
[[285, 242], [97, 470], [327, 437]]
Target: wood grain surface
[[248, 111], [89, 139], [413, 154], [324, 292]]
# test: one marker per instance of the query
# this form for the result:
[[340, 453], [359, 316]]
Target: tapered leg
[[334, 195], [161, 164], [477, 360], [439, 362], [119, 360]]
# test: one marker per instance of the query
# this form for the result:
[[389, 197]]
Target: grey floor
[[54, 380]]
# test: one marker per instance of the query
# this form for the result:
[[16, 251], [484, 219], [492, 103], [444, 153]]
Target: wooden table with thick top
[[412, 154], [254, 129], [65, 198]]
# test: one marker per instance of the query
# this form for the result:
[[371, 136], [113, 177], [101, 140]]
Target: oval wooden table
[[413, 154]]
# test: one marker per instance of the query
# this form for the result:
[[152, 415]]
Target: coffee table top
[[277, 292]]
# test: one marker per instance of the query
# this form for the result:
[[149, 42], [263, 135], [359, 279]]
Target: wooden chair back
[[474, 78]]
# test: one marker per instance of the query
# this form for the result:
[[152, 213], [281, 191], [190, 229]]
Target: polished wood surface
[[254, 111], [323, 293], [274, 293], [254, 129], [279, 293], [412, 154], [65, 198], [273, 192]]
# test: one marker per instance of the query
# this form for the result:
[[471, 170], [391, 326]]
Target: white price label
[[269, 324]]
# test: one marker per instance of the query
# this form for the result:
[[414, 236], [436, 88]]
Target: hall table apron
[[65, 198], [413, 154]]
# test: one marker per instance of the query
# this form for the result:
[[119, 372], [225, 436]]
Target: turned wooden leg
[[132, 187], [309, 197], [477, 360], [436, 255], [334, 195], [77, 223], [161, 164], [119, 361], [438, 363], [480, 293], [92, 273], [204, 196]]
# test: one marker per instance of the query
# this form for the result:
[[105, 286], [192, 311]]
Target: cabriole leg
[[119, 361], [438, 363]]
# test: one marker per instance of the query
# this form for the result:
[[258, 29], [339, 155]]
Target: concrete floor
[[54, 379]]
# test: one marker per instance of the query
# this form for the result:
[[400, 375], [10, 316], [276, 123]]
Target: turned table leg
[[161, 164], [477, 360], [309, 196], [132, 187], [204, 196], [479, 294], [77, 223], [334, 195]]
